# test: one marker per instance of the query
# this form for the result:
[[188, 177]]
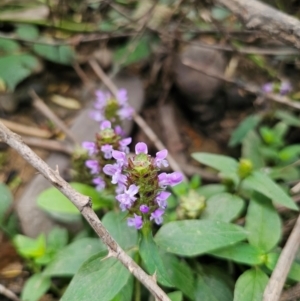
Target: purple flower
[[93, 165], [119, 131], [171, 179], [101, 100], [127, 198], [136, 221], [120, 157], [141, 147], [107, 150], [99, 182], [125, 112], [90, 147], [144, 209], [160, 159], [96, 115], [120, 188], [122, 96], [123, 144], [161, 199], [285, 88], [157, 216], [111, 169], [119, 178], [105, 125], [268, 87]]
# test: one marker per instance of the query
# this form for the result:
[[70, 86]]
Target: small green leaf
[[53, 200], [223, 207], [288, 118], [179, 273], [35, 287], [242, 253], [8, 46], [116, 225], [152, 260], [211, 285], [62, 54], [29, 247], [99, 278], [286, 173], [239, 134], [260, 182], [251, 149], [290, 152], [250, 286], [219, 162], [126, 292], [175, 296], [211, 189], [68, 261], [57, 239], [133, 52], [27, 31], [294, 273], [25, 64], [220, 13], [6, 200], [263, 223], [196, 237]]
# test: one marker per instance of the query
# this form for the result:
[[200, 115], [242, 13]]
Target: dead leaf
[[66, 102]]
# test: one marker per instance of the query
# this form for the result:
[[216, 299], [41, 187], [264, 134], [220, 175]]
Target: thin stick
[[136, 117], [8, 293], [286, 258], [25, 129], [83, 204], [41, 106]]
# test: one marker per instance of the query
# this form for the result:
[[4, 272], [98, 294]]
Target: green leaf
[[211, 285], [99, 278], [286, 173], [29, 247], [290, 152], [6, 200], [223, 207], [68, 261], [53, 200], [151, 258], [260, 182], [8, 46], [288, 118], [196, 237], [263, 223], [219, 162], [116, 224], [242, 253], [133, 52], [251, 149], [239, 134], [57, 239], [220, 13], [126, 292], [15, 68], [27, 31], [35, 287], [211, 189], [179, 273], [62, 54], [175, 296], [294, 273], [250, 286]]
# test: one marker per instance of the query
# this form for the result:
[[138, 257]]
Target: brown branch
[[83, 204], [8, 294], [286, 258], [259, 16]]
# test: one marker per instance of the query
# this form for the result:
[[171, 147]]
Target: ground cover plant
[[216, 225]]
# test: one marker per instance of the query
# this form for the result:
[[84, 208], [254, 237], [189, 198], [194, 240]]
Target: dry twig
[[8, 293], [83, 204]]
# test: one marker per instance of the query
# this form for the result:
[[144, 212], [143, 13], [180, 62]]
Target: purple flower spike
[[144, 209], [161, 199], [96, 115], [136, 221], [268, 87], [123, 144], [171, 179], [127, 198], [119, 178], [101, 100], [105, 125], [141, 147], [107, 150], [90, 147], [100, 184], [122, 96], [119, 131], [93, 165], [125, 112], [285, 88], [120, 157], [160, 159], [157, 216], [111, 169]]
